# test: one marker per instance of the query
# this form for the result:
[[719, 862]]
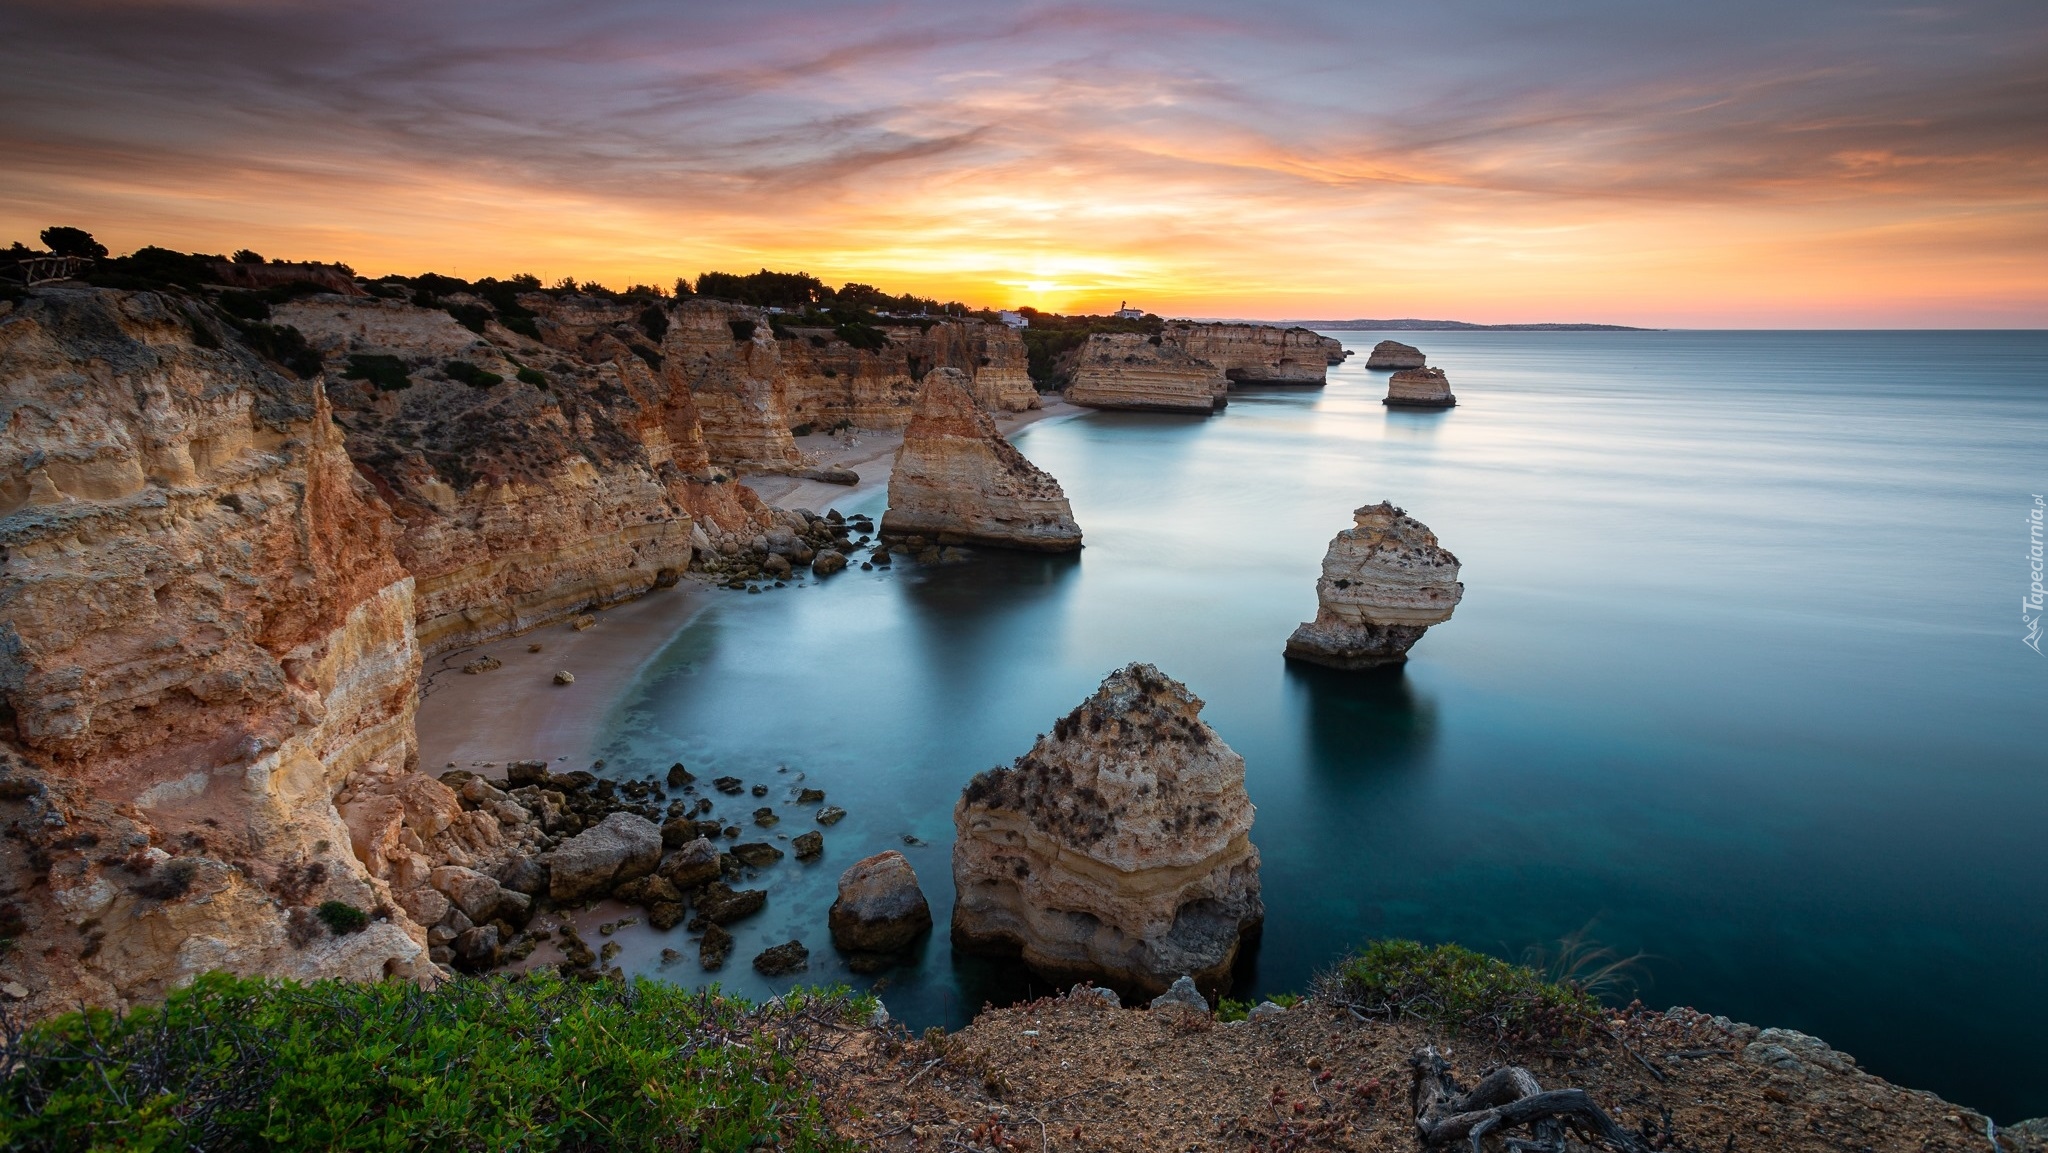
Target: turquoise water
[[1737, 680]]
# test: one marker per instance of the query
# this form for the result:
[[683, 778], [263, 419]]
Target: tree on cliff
[[764, 289], [73, 242]]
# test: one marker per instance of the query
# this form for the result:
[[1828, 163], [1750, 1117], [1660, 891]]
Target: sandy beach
[[517, 712]]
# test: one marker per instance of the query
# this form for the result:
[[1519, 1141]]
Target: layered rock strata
[[1394, 354], [1258, 353], [204, 632], [827, 382], [957, 480], [1118, 849], [1132, 371], [1385, 581], [1419, 388], [728, 354]]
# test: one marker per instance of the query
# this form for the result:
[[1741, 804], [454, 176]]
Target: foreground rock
[[1419, 388], [1135, 372], [1385, 581], [880, 912], [1394, 354], [590, 864], [956, 479], [1118, 849]]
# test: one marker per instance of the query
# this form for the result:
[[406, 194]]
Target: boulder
[[808, 846], [714, 948], [678, 776], [666, 915], [720, 904], [880, 907], [782, 960], [474, 893], [1182, 994], [1385, 582], [647, 892], [477, 949], [564, 677], [591, 863], [757, 854], [694, 864], [1117, 850], [828, 562]]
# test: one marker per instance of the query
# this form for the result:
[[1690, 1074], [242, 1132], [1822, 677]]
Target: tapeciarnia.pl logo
[[2030, 608]]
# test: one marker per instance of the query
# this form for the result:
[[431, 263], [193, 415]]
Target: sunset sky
[[1655, 162]]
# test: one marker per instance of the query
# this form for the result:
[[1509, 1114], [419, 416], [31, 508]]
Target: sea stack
[[1419, 388], [1129, 370], [1385, 581], [957, 480], [1117, 850], [1394, 354]]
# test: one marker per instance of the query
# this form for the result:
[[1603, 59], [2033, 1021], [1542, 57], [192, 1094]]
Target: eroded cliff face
[[1259, 353], [204, 630], [1129, 370], [586, 482], [958, 481], [827, 381], [1118, 849], [1419, 388], [1385, 582], [728, 355]]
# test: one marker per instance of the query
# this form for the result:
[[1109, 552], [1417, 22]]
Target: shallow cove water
[[1737, 681]]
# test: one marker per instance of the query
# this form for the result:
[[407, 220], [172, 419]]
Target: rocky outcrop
[[1258, 353], [1118, 849], [332, 277], [1132, 371], [1385, 581], [957, 480], [204, 632], [727, 353], [827, 382], [1419, 388], [880, 912], [1394, 354]]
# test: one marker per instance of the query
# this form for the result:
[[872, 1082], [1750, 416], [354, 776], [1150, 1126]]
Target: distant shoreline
[[1412, 325]]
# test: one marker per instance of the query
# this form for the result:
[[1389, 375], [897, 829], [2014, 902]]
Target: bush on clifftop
[[532, 1063], [1453, 987]]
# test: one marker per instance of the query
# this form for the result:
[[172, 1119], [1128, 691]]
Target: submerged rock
[[714, 948], [957, 478], [1394, 354], [1419, 388], [783, 959], [1119, 848], [1385, 581]]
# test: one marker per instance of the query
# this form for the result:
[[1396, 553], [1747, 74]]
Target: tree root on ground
[[1507, 1098]]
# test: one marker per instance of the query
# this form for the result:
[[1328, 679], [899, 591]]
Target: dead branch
[[1507, 1098]]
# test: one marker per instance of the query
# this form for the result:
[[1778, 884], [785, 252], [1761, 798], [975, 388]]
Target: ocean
[[1738, 681]]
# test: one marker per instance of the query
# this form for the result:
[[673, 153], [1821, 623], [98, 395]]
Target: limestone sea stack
[[1258, 353], [1129, 370], [1117, 850], [957, 480], [1385, 581], [1419, 388], [1394, 354]]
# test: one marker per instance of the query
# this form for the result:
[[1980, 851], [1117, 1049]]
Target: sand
[[517, 713]]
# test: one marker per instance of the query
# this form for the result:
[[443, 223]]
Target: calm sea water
[[1737, 681]]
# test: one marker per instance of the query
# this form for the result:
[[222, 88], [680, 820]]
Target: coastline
[[518, 713]]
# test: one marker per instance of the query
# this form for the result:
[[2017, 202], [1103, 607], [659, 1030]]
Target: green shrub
[[464, 372], [742, 330], [801, 430], [533, 376], [1453, 987], [470, 316], [342, 918], [281, 343], [653, 321], [531, 1063], [386, 372], [244, 305], [523, 325]]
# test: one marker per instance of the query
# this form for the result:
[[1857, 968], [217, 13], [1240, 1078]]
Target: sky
[[1670, 163]]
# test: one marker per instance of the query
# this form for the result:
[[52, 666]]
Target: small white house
[[1126, 312], [1014, 319]]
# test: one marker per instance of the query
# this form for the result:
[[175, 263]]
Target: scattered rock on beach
[[619, 848], [564, 677], [483, 664]]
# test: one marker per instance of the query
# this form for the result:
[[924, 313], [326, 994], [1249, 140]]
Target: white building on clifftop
[[1126, 312]]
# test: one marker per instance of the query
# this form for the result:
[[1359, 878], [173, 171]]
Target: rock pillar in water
[[1385, 581], [957, 480], [1419, 388], [1117, 850]]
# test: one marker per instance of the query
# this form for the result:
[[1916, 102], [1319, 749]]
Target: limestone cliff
[[1258, 353], [1419, 388], [579, 477], [1385, 581], [1128, 370], [728, 355], [958, 481], [204, 630], [827, 381], [1394, 354], [1117, 849]]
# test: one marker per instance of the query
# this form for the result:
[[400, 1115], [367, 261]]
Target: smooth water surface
[[1737, 680]]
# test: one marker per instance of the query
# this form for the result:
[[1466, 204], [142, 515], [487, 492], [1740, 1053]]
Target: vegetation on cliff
[[534, 1063], [1051, 339]]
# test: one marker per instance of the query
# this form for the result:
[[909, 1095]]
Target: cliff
[[1128, 370], [1258, 353], [1117, 849], [958, 481], [729, 357], [580, 477], [204, 630], [827, 381], [1385, 581]]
